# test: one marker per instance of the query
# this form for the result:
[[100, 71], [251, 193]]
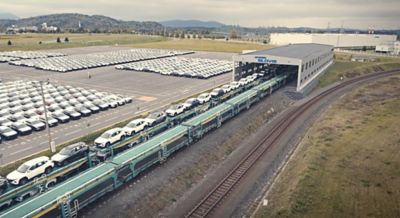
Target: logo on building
[[265, 60]]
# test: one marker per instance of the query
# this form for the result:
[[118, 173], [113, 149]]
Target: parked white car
[[30, 170], [203, 98], [175, 110], [227, 88], [234, 85], [110, 137], [135, 126]]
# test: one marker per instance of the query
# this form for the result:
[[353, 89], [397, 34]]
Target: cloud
[[311, 13]]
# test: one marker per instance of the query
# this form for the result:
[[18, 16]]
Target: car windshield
[[133, 124], [19, 125], [153, 116], [203, 96], [106, 135], [174, 107], [6, 130], [23, 168], [65, 151]]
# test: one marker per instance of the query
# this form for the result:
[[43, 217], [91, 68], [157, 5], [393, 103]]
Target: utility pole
[[51, 142]]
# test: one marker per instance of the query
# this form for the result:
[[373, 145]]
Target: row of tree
[[40, 42]]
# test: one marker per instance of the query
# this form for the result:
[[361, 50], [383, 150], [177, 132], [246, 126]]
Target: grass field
[[348, 165], [28, 42], [203, 45], [31, 41], [344, 67]]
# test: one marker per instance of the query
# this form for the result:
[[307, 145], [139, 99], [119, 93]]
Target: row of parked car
[[21, 106], [85, 61], [180, 66], [115, 135], [29, 54], [4, 59]]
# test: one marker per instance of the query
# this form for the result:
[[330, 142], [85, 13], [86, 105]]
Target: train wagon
[[208, 120]]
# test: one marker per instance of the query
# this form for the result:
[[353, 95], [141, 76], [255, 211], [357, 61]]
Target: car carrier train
[[64, 199]]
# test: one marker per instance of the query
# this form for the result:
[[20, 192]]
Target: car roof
[[76, 145], [137, 120], [36, 160], [113, 130]]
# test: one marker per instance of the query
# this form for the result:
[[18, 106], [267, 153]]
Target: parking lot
[[149, 92], [181, 66]]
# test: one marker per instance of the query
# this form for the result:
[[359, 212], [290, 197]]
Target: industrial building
[[306, 61], [338, 40], [389, 48]]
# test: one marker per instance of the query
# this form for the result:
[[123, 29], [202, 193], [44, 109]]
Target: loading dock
[[305, 61]]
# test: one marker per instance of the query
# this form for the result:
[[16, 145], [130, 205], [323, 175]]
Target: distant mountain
[[71, 21], [8, 16], [191, 23]]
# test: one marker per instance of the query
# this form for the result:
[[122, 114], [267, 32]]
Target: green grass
[[348, 165], [29, 42], [203, 45], [344, 67]]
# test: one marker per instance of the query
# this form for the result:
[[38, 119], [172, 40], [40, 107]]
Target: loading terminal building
[[306, 62]]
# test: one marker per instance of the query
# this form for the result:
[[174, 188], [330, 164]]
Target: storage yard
[[86, 61], [180, 66], [21, 105]]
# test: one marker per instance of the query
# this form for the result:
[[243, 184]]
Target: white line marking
[[21, 150], [73, 132]]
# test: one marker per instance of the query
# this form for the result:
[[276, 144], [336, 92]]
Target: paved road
[[150, 91]]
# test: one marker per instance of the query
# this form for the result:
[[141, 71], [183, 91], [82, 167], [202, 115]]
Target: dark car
[[70, 153], [191, 103], [155, 118], [217, 93]]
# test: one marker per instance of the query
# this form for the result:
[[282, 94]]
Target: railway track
[[223, 188]]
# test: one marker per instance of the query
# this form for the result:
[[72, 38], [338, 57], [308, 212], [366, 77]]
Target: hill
[[8, 16], [191, 23], [71, 21]]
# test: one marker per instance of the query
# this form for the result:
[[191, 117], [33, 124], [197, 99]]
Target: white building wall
[[336, 40], [285, 39], [396, 48], [385, 48], [312, 67]]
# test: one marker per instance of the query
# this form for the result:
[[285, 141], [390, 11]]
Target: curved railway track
[[222, 189]]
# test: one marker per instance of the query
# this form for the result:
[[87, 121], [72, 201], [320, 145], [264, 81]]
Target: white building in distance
[[340, 40]]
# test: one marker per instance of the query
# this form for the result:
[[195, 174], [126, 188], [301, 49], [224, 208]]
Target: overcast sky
[[362, 14]]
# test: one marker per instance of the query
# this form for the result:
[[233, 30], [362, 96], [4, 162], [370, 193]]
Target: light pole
[[51, 142]]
